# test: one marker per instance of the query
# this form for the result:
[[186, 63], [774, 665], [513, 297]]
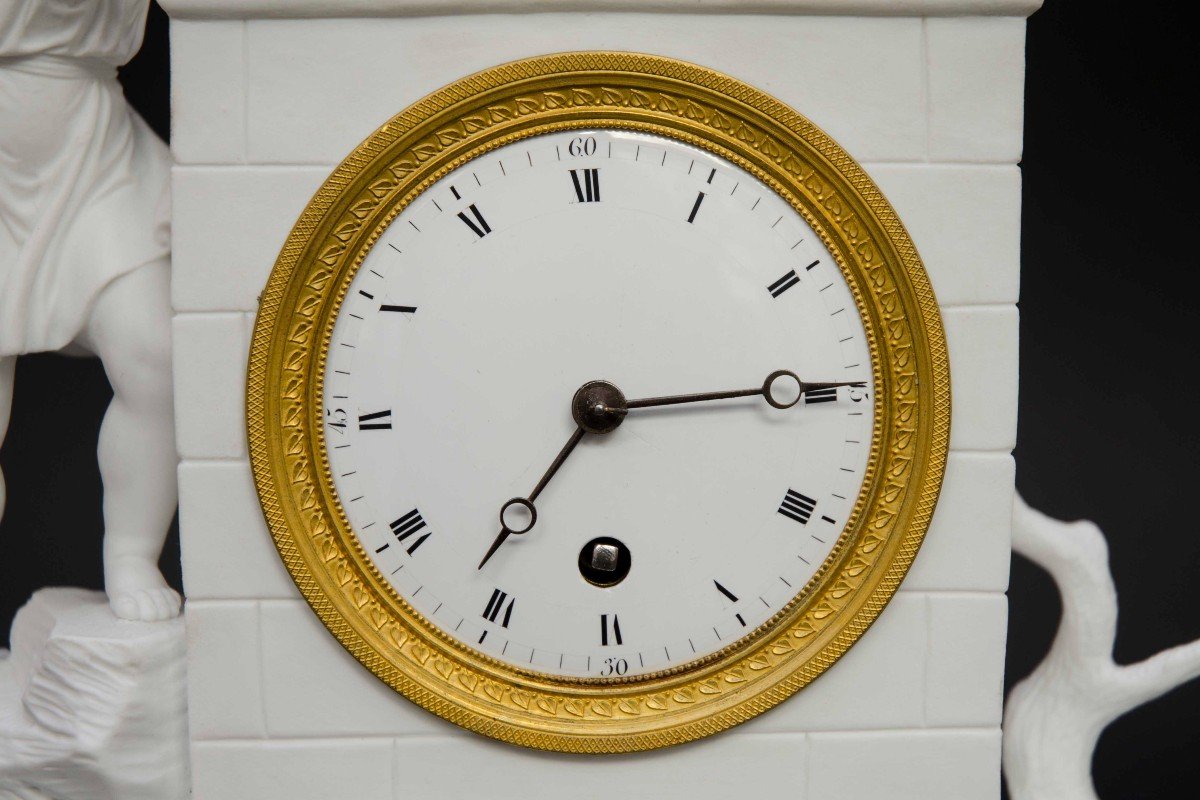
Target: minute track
[[426, 300]]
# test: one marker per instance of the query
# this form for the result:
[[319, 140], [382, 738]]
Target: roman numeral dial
[[704, 478]]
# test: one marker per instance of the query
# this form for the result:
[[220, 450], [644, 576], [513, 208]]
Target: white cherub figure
[[85, 260]]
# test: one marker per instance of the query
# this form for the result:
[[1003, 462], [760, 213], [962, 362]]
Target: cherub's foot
[[137, 591]]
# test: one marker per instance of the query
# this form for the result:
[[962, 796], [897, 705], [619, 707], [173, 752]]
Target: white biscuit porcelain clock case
[[926, 95], [563, 259]]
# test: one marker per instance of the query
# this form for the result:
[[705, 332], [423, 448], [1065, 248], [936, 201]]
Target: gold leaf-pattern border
[[601, 90]]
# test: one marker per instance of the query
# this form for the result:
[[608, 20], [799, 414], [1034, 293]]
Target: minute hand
[[764, 390]]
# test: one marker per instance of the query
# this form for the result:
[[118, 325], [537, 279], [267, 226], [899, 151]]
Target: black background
[[1108, 352]]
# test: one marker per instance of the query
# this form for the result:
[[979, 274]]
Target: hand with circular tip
[[769, 390], [507, 529]]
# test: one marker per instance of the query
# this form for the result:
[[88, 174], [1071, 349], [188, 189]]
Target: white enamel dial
[[559, 260]]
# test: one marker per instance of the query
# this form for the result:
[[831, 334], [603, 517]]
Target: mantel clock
[[598, 402]]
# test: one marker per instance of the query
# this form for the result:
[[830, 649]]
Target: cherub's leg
[[130, 329], [7, 368]]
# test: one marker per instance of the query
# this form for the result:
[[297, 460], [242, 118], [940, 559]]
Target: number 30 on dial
[[592, 409]]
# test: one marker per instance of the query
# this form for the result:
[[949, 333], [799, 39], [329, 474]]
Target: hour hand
[[774, 390], [508, 527], [511, 513]]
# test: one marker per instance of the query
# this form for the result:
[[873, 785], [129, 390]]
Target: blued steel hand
[[764, 390], [527, 502]]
